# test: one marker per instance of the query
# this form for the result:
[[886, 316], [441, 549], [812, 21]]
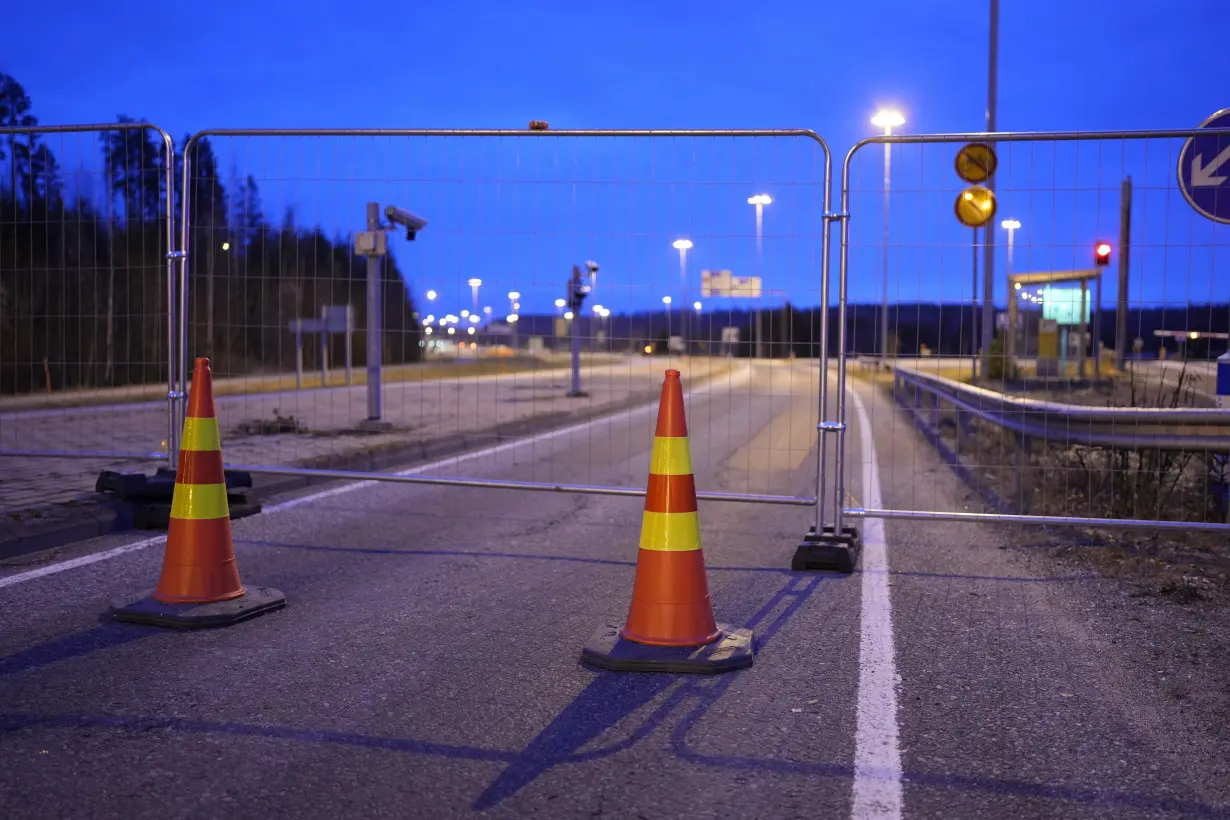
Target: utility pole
[[988, 236], [1125, 238]]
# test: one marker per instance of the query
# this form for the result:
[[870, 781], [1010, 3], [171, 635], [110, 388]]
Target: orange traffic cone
[[670, 625], [199, 584]]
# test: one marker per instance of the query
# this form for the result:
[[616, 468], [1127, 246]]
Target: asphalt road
[[427, 665]]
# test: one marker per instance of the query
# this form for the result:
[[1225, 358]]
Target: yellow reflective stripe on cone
[[671, 456], [200, 434], [670, 532], [199, 501]]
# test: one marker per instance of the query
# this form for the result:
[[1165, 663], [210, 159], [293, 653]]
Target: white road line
[[877, 745], [732, 380]]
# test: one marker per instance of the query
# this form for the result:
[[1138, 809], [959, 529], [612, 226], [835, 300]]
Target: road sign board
[[1204, 169], [976, 162], [975, 206], [720, 283]]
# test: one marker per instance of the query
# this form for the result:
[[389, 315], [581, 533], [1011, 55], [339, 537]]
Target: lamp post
[[683, 246], [475, 284], [1011, 226], [760, 201], [888, 120]]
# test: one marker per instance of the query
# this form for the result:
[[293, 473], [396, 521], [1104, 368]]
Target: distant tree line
[[83, 271]]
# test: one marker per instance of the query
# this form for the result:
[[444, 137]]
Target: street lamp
[[888, 119], [226, 246], [1011, 226], [696, 306], [759, 200], [683, 246], [559, 303], [666, 300], [475, 284], [431, 295]]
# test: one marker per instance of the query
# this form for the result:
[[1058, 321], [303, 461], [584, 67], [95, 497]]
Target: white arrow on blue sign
[[1204, 169]]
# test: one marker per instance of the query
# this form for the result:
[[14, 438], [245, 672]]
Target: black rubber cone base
[[607, 650], [256, 601], [836, 552]]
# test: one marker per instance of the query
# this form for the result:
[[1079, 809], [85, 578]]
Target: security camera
[[413, 224]]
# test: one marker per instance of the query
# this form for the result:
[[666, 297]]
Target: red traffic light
[[1101, 253]]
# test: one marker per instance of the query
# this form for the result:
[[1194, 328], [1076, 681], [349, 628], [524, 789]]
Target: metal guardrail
[[1185, 429]]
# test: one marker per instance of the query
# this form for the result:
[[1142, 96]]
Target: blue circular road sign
[[1204, 169]]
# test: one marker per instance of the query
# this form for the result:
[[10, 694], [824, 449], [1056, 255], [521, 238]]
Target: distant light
[[560, 303], [470, 330], [1017, 285], [465, 314], [568, 315], [1194, 335], [487, 311], [681, 244], [427, 330], [511, 318], [1010, 224], [473, 346], [226, 246], [474, 283], [666, 300], [649, 348], [1103, 249], [605, 312], [516, 305], [452, 330], [514, 295], [888, 118], [431, 295], [697, 306], [760, 199], [473, 318], [597, 308]]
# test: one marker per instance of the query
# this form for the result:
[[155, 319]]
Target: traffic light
[[1101, 254]]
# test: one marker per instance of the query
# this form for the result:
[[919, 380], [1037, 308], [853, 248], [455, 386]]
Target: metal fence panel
[[285, 230], [85, 303], [972, 346]]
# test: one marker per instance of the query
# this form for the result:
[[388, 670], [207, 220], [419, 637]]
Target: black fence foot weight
[[255, 601], [607, 650], [828, 550]]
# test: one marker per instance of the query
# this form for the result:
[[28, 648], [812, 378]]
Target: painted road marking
[[877, 743], [730, 379]]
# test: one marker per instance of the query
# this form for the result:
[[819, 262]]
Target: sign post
[[1204, 169]]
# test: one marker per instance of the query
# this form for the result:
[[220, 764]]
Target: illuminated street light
[[226, 246], [470, 330], [431, 295], [888, 119], [568, 315], [473, 318], [452, 330], [514, 295], [666, 300], [427, 330], [697, 306], [760, 199], [465, 314], [511, 318], [682, 244], [560, 303], [606, 312]]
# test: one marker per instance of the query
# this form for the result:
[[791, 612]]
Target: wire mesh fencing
[[368, 296], [1048, 324], [85, 303]]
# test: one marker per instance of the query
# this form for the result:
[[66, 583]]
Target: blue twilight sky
[[519, 213]]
